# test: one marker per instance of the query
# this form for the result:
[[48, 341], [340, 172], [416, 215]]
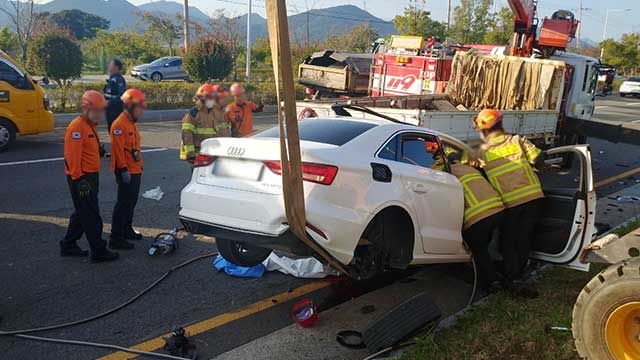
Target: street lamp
[[606, 22]]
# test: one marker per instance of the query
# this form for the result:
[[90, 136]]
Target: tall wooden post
[[290, 157], [186, 25]]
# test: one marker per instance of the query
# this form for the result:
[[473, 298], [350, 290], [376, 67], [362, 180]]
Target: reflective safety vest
[[200, 124], [507, 160], [480, 199]]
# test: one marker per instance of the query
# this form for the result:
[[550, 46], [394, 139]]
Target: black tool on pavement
[[350, 339], [164, 243], [178, 344]]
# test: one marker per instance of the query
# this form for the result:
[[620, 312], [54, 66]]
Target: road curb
[[63, 119]]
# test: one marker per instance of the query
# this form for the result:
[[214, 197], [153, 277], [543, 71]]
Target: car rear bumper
[[286, 242]]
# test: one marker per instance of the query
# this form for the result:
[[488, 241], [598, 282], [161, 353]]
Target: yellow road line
[[617, 177], [222, 319]]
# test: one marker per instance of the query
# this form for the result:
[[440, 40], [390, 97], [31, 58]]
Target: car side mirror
[[167, 65]]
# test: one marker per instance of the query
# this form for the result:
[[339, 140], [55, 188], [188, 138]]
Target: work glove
[[125, 176], [84, 187], [191, 158], [260, 107], [103, 152]]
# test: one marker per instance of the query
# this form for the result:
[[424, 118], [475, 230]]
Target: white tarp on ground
[[309, 268]]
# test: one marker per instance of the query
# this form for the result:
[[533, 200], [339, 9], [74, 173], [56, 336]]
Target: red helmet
[[93, 100], [487, 119], [221, 90], [134, 97], [237, 89], [206, 90]]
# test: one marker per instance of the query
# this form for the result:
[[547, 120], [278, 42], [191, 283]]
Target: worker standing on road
[[126, 164], [483, 214], [200, 123], [508, 162], [116, 86], [82, 166], [240, 112]]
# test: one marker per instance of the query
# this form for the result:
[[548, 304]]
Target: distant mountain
[[172, 8], [322, 23]]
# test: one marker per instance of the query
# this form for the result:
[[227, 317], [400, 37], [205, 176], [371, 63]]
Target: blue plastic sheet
[[240, 271]]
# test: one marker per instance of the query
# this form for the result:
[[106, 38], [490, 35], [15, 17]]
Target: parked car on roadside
[[630, 86], [164, 68], [376, 197]]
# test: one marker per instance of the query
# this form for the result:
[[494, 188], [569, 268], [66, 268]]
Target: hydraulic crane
[[555, 34]]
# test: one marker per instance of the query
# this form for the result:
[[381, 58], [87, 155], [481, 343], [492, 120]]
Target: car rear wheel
[[156, 77], [241, 254], [7, 134], [623, 95]]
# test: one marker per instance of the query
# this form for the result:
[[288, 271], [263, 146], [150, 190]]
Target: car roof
[[387, 124]]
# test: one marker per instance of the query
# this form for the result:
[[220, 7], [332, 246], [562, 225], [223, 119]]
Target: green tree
[[132, 48], [208, 59], [164, 28], [8, 40], [417, 22], [359, 39], [81, 25], [500, 27], [623, 54], [471, 21], [56, 56]]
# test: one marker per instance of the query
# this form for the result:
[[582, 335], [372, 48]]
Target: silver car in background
[[164, 68]]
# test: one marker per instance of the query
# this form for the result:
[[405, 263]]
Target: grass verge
[[503, 327]]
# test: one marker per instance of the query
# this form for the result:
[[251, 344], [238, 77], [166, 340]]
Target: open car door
[[567, 221]]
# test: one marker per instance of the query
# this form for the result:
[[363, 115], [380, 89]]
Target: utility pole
[[606, 23], [448, 14], [186, 26], [249, 44], [579, 25]]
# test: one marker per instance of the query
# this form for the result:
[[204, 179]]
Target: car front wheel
[[241, 254], [7, 134], [156, 77]]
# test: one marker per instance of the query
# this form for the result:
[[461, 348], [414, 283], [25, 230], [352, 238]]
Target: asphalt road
[[40, 288], [618, 109]]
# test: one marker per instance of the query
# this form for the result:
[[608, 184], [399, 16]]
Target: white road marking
[[25, 162], [633, 104], [602, 106]]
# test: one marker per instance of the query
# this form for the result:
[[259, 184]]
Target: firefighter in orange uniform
[[126, 164], [82, 166], [508, 161], [240, 112]]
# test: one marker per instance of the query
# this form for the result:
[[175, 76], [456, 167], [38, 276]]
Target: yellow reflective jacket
[[199, 124], [480, 199], [507, 160]]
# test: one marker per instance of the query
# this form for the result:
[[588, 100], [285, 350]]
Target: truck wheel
[[241, 254], [7, 134], [606, 316]]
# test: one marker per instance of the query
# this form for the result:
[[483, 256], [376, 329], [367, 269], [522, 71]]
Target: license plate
[[238, 169]]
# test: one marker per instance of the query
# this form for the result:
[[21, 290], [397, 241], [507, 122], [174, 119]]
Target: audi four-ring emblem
[[235, 151]]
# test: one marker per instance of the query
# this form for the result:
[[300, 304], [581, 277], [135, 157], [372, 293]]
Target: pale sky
[[593, 19]]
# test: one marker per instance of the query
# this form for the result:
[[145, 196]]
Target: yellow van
[[24, 106]]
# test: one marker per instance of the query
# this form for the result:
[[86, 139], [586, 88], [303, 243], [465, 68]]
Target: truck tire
[[401, 322], [606, 316], [7, 134], [241, 254]]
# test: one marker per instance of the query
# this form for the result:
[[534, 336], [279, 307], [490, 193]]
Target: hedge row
[[164, 95]]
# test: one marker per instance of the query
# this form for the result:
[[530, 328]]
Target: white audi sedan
[[378, 195]]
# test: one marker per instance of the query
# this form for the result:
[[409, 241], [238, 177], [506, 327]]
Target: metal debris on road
[[629, 199]]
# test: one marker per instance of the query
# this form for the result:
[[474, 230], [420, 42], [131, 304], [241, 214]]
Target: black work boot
[[133, 235], [120, 243], [104, 256], [73, 250]]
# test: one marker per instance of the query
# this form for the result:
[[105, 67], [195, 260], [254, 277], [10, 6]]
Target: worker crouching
[[205, 120], [240, 112], [82, 166], [508, 163], [126, 164]]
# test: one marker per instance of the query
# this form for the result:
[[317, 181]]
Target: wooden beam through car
[[290, 157]]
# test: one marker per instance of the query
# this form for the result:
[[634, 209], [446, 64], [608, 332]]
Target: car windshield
[[334, 132], [159, 62]]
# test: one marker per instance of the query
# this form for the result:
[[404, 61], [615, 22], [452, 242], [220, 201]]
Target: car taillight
[[307, 113], [203, 160], [317, 173]]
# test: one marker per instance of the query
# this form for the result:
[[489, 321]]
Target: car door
[[436, 196], [172, 69], [567, 221], [17, 95]]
